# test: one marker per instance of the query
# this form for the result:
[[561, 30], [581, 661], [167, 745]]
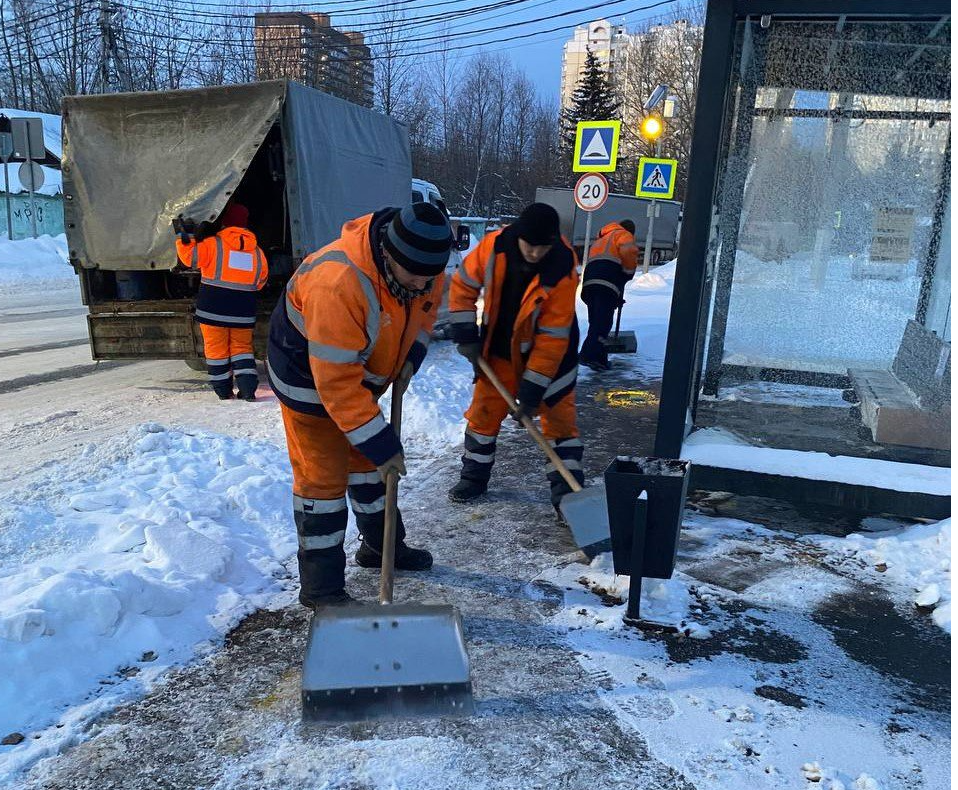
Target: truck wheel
[[199, 365]]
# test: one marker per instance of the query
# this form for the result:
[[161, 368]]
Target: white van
[[426, 192]]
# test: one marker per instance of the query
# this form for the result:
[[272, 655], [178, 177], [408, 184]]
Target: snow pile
[[34, 262], [434, 404], [916, 560], [125, 562]]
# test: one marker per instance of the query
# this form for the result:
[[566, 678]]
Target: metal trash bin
[[665, 481]]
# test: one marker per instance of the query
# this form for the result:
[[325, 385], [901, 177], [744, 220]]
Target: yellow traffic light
[[651, 128]]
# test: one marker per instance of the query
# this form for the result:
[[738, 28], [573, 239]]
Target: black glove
[[472, 352], [523, 411], [204, 231], [184, 227]]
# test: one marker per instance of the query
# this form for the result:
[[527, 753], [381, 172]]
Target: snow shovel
[[386, 660], [621, 342], [585, 509]]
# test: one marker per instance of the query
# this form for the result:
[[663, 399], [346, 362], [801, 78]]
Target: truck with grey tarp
[[303, 162], [572, 219]]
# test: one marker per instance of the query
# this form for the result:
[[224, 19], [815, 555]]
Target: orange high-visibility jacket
[[545, 332], [617, 244], [233, 269], [340, 337]]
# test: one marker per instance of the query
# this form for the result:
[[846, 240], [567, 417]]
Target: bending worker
[[233, 269], [526, 275], [357, 316], [612, 263]]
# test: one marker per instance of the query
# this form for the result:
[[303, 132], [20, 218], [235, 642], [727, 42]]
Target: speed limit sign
[[591, 191]]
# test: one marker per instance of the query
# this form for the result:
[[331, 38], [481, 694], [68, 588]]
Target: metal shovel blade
[[623, 343], [588, 517], [391, 661]]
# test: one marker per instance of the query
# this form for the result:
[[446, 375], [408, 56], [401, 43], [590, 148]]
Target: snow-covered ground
[[34, 264], [723, 721], [912, 562], [128, 558], [140, 520]]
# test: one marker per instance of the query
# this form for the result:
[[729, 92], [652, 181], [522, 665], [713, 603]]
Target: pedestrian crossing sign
[[656, 178], [596, 146]]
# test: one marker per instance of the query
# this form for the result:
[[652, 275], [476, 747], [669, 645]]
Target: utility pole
[[114, 59], [105, 33]]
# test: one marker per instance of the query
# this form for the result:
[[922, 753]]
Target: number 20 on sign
[[591, 191]]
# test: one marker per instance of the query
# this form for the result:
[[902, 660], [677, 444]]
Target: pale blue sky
[[540, 56]]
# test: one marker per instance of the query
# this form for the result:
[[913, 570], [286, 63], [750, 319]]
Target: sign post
[[656, 179], [591, 192], [6, 151], [29, 145]]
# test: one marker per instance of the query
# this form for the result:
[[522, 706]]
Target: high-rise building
[[607, 41], [308, 49]]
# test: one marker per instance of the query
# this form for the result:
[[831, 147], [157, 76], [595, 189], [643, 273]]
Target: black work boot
[[466, 490], [316, 602], [247, 395], [222, 393], [407, 558]]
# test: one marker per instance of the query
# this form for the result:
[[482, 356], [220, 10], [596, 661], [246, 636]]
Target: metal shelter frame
[[712, 141]]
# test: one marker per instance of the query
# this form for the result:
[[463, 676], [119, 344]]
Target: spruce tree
[[593, 99]]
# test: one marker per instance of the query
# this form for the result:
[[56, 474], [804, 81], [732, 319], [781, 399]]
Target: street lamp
[[651, 130]]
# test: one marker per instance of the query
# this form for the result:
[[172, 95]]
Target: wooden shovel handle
[[530, 426], [392, 509]]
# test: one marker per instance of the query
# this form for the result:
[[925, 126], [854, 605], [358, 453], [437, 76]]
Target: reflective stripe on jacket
[[545, 333], [613, 259], [339, 337], [233, 268]]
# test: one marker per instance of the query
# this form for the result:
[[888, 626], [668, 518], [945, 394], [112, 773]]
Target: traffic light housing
[[651, 128]]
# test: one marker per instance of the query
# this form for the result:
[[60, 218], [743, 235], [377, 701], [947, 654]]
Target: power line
[[252, 45]]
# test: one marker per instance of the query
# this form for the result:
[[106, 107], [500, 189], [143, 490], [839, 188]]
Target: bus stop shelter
[[809, 336]]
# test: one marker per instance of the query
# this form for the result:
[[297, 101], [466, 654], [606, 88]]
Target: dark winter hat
[[538, 224], [419, 239], [236, 215], [628, 225]]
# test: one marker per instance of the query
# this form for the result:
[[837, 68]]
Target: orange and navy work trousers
[[229, 353], [486, 413], [325, 467]]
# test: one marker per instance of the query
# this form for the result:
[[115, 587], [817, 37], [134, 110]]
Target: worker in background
[[526, 275], [357, 316], [612, 263], [233, 269]]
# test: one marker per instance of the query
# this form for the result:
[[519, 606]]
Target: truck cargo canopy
[[348, 161], [132, 162]]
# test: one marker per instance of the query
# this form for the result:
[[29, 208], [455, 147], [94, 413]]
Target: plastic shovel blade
[[587, 513]]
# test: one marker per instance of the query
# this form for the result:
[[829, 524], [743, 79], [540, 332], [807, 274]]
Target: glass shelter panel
[[831, 271]]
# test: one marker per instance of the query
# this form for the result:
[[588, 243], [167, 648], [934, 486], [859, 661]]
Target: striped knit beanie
[[419, 239]]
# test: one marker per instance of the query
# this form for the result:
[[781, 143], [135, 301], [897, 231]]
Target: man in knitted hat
[[233, 269], [356, 318], [526, 275]]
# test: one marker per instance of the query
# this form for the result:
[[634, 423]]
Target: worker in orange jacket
[[526, 275], [356, 317], [612, 263], [233, 269]]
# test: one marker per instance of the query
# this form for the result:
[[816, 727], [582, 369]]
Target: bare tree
[[393, 77]]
